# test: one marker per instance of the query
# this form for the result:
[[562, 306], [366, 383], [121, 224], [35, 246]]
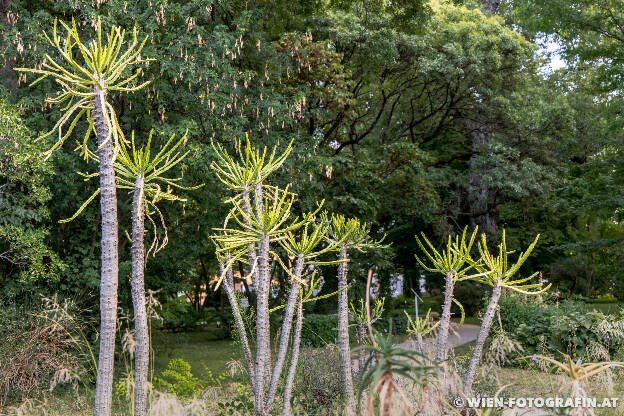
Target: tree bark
[[228, 284], [492, 5], [109, 259], [484, 331], [292, 371], [263, 340], [445, 320], [481, 131], [141, 335], [266, 281], [343, 326], [481, 213], [285, 334]]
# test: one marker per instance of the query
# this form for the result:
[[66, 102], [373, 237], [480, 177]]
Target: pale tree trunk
[[259, 199], [484, 331], [292, 371], [263, 339], [285, 334], [251, 253], [360, 334], [109, 260], [419, 343], [343, 326], [141, 336], [445, 320], [228, 284]]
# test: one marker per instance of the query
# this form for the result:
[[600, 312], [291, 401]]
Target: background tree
[[26, 259]]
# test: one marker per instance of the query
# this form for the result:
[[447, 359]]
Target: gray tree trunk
[[141, 335], [228, 284], [109, 260], [445, 320], [343, 327], [481, 131], [285, 334], [259, 199], [481, 213], [492, 5], [292, 371], [484, 331], [263, 339]]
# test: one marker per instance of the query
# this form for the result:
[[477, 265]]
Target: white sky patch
[[550, 49]]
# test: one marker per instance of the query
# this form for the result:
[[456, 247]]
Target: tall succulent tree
[[497, 272], [351, 235], [143, 175], [86, 78], [267, 220], [454, 263]]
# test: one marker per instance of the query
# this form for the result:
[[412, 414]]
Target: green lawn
[[197, 348], [607, 308]]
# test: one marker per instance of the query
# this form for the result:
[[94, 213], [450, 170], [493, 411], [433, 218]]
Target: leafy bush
[[395, 322], [470, 294], [179, 316], [319, 330], [548, 328], [178, 379]]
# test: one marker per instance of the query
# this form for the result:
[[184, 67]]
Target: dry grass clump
[[40, 349]]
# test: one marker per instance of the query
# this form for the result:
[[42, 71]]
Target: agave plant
[[87, 73], [498, 272], [352, 235], [454, 263], [385, 362]]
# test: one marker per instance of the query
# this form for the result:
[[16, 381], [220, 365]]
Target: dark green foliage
[[178, 315], [471, 296], [24, 215], [319, 330], [550, 327], [374, 95], [394, 321]]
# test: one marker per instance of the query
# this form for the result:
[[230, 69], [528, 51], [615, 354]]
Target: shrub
[[319, 330], [178, 315], [470, 294], [395, 322], [549, 328], [178, 379]]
